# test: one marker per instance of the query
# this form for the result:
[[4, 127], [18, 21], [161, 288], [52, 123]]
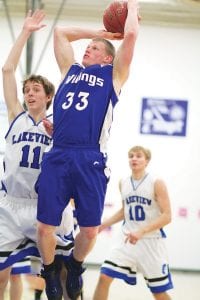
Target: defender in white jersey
[[26, 142], [83, 112], [141, 245]]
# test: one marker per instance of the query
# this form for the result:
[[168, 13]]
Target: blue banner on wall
[[164, 117]]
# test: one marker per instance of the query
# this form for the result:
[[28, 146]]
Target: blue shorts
[[78, 173]]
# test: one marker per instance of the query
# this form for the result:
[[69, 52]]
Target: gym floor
[[186, 287]]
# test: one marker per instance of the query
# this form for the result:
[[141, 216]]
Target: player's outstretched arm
[[125, 52], [31, 24], [115, 218], [63, 36]]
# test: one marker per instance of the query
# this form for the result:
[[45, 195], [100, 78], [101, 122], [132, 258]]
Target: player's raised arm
[[125, 52], [64, 36], [63, 50], [31, 24]]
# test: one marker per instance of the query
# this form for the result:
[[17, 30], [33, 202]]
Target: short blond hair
[[109, 47], [146, 151]]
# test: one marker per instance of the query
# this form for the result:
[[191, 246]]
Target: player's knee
[[162, 296], [44, 230], [104, 280], [15, 278], [89, 233]]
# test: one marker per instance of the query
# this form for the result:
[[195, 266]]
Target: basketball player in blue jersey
[[26, 142], [75, 167], [141, 245]]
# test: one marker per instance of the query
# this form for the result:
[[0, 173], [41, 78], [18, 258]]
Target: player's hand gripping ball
[[115, 15]]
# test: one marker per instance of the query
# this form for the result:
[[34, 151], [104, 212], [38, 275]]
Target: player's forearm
[[76, 33], [15, 53], [117, 217], [125, 52], [159, 223], [132, 20]]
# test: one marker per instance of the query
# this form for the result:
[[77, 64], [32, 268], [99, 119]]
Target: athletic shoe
[[74, 281], [53, 285]]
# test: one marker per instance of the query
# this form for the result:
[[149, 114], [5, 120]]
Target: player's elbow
[[57, 32], [7, 68], [60, 32], [131, 35], [168, 217]]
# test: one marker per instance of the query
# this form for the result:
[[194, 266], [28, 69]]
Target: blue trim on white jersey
[[163, 234], [25, 112], [12, 123]]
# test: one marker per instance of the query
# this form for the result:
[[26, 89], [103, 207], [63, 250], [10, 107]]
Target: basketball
[[114, 16]]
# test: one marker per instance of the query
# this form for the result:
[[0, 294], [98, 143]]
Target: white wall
[[166, 65]]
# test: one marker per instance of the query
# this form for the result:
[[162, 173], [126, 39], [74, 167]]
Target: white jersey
[[149, 255], [26, 142], [140, 206]]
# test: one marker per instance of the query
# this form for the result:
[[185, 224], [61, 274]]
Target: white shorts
[[22, 267], [18, 230], [148, 256]]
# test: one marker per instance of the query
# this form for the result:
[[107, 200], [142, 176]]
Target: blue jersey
[[83, 106]]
